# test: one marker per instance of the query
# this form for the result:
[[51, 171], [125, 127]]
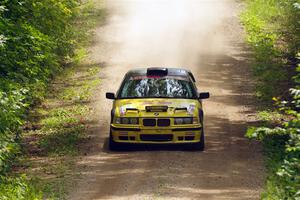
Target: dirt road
[[206, 37]]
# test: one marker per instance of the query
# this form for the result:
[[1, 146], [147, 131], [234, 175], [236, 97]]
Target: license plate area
[[156, 137]]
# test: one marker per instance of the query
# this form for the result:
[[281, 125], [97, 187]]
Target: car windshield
[[157, 87]]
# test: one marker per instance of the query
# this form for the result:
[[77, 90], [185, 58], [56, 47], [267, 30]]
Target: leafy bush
[[273, 29], [273, 32], [18, 188], [38, 38], [282, 146], [35, 38], [12, 108]]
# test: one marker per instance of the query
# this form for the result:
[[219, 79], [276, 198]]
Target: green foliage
[[8, 150], [34, 38], [18, 188], [11, 112], [38, 39], [267, 116], [272, 28]]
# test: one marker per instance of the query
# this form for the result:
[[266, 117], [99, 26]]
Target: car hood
[[174, 107]]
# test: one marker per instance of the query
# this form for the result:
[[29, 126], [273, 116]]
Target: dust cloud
[[165, 33]]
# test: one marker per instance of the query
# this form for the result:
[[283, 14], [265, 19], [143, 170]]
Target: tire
[[199, 146], [113, 146]]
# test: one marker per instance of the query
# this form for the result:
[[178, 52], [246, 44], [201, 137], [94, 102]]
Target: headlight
[[184, 120], [126, 120], [178, 120]]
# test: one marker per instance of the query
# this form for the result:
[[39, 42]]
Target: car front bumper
[[178, 135]]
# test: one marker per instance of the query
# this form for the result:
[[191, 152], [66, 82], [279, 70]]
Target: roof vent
[[156, 71]]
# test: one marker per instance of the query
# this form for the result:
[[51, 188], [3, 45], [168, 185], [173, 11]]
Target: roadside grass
[[270, 118], [55, 129], [263, 23]]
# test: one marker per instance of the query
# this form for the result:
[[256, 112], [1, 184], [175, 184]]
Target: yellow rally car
[[157, 106]]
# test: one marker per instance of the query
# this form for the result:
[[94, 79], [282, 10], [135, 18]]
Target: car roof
[[170, 71]]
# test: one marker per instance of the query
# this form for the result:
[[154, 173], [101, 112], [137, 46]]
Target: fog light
[[133, 121], [126, 120], [118, 120]]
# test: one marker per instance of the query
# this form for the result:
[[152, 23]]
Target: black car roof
[[170, 71]]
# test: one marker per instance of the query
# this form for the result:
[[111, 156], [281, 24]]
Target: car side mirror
[[110, 95], [204, 95]]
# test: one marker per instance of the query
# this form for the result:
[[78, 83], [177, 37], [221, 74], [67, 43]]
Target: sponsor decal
[[122, 111], [147, 102], [191, 109], [184, 78], [124, 107], [156, 103], [164, 102]]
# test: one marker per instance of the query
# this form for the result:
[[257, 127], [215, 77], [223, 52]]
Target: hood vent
[[156, 108], [181, 109], [156, 71]]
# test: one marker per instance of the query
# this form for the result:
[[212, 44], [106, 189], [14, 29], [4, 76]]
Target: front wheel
[[113, 146], [199, 146]]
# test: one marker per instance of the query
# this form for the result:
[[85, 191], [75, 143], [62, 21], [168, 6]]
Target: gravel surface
[[206, 37]]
